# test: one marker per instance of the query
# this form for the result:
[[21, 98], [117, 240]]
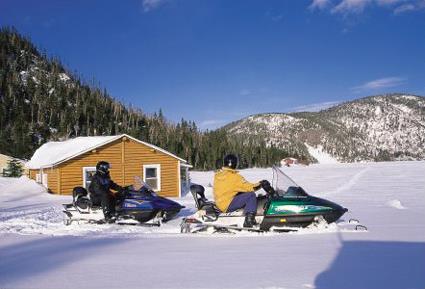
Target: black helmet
[[230, 161], [103, 167]]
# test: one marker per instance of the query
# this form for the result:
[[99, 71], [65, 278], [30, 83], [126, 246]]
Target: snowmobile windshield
[[140, 186], [285, 186]]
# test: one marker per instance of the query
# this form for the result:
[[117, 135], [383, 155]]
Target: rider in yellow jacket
[[232, 191], [227, 184]]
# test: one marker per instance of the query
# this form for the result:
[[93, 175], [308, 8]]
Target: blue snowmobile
[[139, 204]]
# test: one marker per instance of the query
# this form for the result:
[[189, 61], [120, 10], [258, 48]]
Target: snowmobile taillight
[[191, 220]]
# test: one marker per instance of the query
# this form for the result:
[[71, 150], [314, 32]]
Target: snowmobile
[[139, 204], [285, 207]]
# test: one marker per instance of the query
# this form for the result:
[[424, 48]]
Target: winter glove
[[260, 185], [256, 188], [264, 183]]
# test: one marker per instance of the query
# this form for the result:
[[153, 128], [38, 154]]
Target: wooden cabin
[[61, 166]]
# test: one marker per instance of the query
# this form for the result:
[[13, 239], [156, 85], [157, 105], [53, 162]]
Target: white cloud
[[408, 7], [315, 106], [388, 2], [347, 7], [211, 124], [380, 83], [149, 5], [351, 6], [404, 8], [319, 4]]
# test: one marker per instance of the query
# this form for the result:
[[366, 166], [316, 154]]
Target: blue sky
[[218, 61]]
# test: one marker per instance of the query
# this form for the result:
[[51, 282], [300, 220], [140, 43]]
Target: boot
[[111, 220], [249, 220]]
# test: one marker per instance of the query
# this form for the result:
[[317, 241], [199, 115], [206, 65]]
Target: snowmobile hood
[[306, 205]]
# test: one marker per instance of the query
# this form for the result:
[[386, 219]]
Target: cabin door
[[44, 180]]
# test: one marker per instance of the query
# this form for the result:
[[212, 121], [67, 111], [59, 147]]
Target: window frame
[[158, 175], [85, 169]]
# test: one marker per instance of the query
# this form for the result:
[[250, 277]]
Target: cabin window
[[88, 173], [38, 178], [152, 176]]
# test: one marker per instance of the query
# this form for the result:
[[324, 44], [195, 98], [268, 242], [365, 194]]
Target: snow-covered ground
[[320, 155], [38, 251]]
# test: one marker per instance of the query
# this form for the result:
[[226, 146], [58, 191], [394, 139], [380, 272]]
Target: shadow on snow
[[373, 264], [23, 260]]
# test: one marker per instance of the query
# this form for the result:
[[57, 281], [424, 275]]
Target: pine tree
[[37, 105], [14, 169]]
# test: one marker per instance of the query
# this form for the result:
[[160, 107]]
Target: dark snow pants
[[107, 202], [248, 201], [108, 205]]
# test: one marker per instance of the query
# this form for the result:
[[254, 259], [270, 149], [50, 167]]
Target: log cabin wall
[[127, 158]]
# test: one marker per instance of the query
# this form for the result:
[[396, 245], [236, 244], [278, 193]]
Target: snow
[[64, 77], [378, 111], [320, 155], [402, 108], [53, 152], [38, 251], [396, 204], [410, 97], [24, 76]]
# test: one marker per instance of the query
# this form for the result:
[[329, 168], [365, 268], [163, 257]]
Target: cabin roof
[[54, 153]]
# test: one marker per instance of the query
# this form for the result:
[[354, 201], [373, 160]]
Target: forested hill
[[40, 101], [376, 128]]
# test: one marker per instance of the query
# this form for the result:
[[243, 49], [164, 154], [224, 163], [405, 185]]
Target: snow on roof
[[54, 153]]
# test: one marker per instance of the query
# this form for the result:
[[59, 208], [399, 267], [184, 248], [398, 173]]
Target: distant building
[[288, 162], [4, 160], [61, 166]]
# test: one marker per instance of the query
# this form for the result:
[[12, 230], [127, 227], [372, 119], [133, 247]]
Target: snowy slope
[[321, 156], [376, 128], [37, 251]]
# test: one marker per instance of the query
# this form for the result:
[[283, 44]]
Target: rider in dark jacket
[[100, 190]]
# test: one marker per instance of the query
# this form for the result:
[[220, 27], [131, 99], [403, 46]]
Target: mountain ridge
[[350, 131]]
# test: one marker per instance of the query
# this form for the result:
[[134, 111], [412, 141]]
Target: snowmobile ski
[[193, 226]]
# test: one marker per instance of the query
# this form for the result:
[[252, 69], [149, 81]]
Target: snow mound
[[20, 187], [396, 204], [321, 156]]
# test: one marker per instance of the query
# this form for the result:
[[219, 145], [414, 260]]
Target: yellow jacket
[[227, 183]]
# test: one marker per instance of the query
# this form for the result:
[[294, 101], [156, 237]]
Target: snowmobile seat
[[80, 199], [202, 203], [78, 192]]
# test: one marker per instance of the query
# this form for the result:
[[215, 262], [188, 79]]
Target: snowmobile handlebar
[[267, 187]]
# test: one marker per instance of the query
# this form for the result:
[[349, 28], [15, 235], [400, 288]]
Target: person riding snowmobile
[[232, 191], [100, 190]]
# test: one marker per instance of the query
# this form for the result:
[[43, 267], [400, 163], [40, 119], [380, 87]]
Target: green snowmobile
[[285, 207]]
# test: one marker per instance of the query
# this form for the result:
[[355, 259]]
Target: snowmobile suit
[[227, 184], [100, 193]]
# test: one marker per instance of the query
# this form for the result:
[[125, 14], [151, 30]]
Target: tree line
[[41, 101]]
